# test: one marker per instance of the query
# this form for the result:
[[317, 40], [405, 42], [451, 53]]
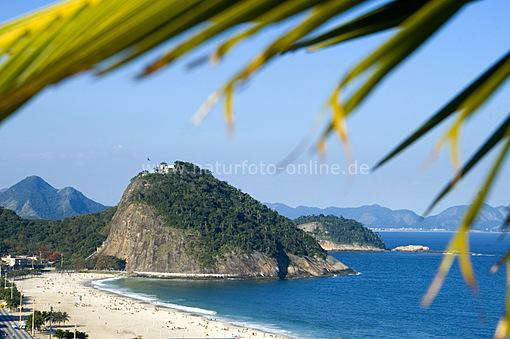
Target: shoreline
[[107, 314], [429, 231]]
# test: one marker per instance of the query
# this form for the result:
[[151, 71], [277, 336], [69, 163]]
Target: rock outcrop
[[411, 248], [340, 234], [139, 236], [332, 247]]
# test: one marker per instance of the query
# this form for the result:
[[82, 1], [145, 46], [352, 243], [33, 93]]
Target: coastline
[[419, 230], [106, 314]]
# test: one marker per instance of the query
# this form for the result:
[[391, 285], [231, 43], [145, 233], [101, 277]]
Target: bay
[[383, 300]]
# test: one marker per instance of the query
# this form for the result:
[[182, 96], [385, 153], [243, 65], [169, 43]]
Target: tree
[[55, 256], [63, 317], [109, 262], [10, 294], [46, 316], [70, 334], [59, 333], [12, 303], [43, 252], [39, 320], [45, 47], [60, 317], [79, 335]]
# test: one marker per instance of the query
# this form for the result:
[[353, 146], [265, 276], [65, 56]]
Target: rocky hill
[[34, 198], [186, 222], [340, 234], [375, 216]]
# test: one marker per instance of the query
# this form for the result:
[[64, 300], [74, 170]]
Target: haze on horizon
[[95, 134]]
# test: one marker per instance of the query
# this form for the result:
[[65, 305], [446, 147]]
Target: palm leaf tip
[[487, 146], [437, 283], [206, 107], [494, 268], [377, 20]]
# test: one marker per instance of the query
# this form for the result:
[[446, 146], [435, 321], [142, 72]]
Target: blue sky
[[94, 134]]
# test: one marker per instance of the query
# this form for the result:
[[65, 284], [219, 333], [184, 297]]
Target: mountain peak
[[68, 190], [34, 198], [33, 181], [376, 216]]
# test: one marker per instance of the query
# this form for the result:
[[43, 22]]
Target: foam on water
[[151, 299], [189, 309], [381, 301], [251, 323], [209, 314]]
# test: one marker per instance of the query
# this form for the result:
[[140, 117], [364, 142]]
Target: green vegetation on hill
[[76, 237], [219, 218], [340, 230], [215, 217]]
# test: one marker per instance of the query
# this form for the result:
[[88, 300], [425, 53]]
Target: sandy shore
[[104, 315]]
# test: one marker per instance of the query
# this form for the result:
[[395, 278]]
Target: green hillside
[[339, 230], [220, 217], [77, 237], [215, 217]]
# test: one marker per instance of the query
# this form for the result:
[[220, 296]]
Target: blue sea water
[[383, 301]]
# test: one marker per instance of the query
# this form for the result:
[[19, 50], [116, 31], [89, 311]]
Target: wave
[[189, 309], [102, 281], [346, 275], [252, 324], [147, 298], [209, 314]]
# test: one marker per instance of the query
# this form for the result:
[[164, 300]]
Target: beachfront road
[[6, 328]]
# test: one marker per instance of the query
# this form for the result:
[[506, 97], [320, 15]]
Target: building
[[165, 168], [19, 261]]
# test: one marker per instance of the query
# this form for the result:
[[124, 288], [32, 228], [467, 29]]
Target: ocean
[[382, 301]]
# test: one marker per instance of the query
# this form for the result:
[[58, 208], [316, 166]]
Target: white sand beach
[[104, 315]]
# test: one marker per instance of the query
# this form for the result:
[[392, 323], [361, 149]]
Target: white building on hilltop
[[165, 168]]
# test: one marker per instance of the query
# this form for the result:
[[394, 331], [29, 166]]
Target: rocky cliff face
[[331, 246], [140, 237]]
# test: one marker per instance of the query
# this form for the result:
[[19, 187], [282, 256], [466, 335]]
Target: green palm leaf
[[377, 20], [489, 144], [459, 245], [49, 45], [416, 30], [283, 11], [446, 111]]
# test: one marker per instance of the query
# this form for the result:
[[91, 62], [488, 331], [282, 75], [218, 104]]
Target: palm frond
[[506, 223], [503, 328], [320, 14], [445, 112], [375, 21], [489, 144], [459, 245], [415, 31], [373, 69], [44, 47], [284, 11]]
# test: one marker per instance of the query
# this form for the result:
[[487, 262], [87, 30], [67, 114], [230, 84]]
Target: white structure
[[165, 168], [20, 260]]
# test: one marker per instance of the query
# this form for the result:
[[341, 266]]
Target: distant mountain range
[[34, 198], [375, 216]]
